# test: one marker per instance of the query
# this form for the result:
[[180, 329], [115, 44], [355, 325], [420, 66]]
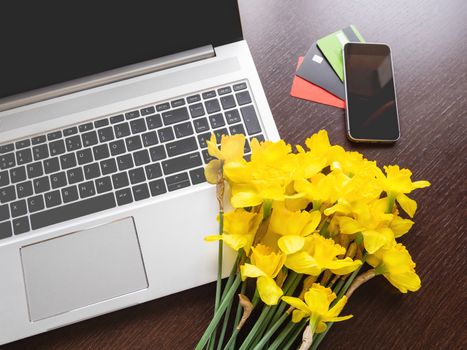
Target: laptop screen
[[48, 42]]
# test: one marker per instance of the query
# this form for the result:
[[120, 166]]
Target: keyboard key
[[69, 194], [206, 156], [203, 138], [237, 129], [18, 208], [243, 97], [91, 171], [122, 130], [182, 146], [75, 175], [52, 199], [23, 156], [51, 165], [224, 90], [132, 115], [70, 131], [117, 119], [16, 175], [117, 147], [34, 170], [162, 107], [7, 161], [22, 144], [178, 164], [201, 125], [5, 230], [86, 189], [196, 110], [58, 180], [166, 134], [149, 138], [41, 184], [89, 139], [153, 171], [260, 138], [54, 135], [147, 110], [137, 126], [101, 152], [251, 120], [101, 123], [197, 176], [177, 103], [178, 181], [184, 129], [106, 134], [40, 152], [7, 148], [154, 121], [136, 175], [21, 225], [38, 139], [68, 160], [133, 143], [85, 127], [212, 106], [157, 153], [157, 187], [240, 86], [125, 162], [35, 203], [7, 194], [4, 178], [103, 184], [124, 196], [140, 192], [175, 116], [228, 102], [193, 98], [219, 133], [4, 212], [72, 211], [209, 94], [84, 156], [120, 180], [216, 120], [57, 147], [141, 157], [108, 166]]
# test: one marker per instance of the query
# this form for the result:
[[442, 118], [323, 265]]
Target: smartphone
[[370, 93]]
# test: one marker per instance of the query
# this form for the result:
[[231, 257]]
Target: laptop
[[104, 115]]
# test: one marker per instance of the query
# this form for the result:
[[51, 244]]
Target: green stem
[[254, 330], [238, 315], [391, 199], [282, 335], [219, 261], [293, 337], [218, 315], [224, 326], [289, 291], [324, 229], [233, 272], [270, 332], [339, 286]]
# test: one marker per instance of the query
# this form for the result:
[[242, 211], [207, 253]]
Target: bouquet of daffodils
[[304, 225]]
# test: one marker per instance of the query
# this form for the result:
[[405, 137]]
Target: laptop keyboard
[[118, 160]]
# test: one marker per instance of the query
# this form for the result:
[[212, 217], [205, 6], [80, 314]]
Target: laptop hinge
[[107, 77]]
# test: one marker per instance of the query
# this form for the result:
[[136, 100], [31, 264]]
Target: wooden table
[[429, 49]]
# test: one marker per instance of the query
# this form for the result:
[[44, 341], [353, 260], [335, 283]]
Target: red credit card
[[305, 90]]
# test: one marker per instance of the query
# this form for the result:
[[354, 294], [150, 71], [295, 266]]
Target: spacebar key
[[72, 211]]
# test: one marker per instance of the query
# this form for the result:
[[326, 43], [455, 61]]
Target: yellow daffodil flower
[[318, 254], [240, 227], [396, 264], [292, 226], [397, 183], [317, 307], [265, 265]]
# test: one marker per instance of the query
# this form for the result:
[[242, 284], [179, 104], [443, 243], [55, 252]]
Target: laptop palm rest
[[82, 268]]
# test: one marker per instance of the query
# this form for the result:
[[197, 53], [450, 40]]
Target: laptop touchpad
[[82, 268]]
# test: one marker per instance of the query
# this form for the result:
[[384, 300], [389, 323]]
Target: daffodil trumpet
[[304, 222]]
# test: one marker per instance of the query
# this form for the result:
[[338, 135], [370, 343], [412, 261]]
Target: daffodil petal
[[343, 266], [297, 316], [212, 170], [420, 184], [297, 303], [315, 218], [245, 199], [320, 327], [407, 281], [213, 238], [213, 150], [400, 226], [407, 204], [268, 290], [349, 225], [303, 262], [291, 243], [374, 240], [248, 270]]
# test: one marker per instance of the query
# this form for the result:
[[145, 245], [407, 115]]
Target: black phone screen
[[371, 98]]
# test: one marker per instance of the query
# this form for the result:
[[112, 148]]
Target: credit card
[[316, 69], [331, 47], [307, 91]]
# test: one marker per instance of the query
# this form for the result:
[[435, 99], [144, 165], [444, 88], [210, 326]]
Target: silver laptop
[[104, 116]]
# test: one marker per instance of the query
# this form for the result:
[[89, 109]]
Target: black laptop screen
[[49, 42]]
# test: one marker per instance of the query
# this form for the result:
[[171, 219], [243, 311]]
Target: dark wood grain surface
[[429, 44]]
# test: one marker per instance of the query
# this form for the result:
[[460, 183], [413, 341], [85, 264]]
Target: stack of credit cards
[[320, 74]]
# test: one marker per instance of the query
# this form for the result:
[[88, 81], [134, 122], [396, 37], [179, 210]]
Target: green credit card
[[331, 47]]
